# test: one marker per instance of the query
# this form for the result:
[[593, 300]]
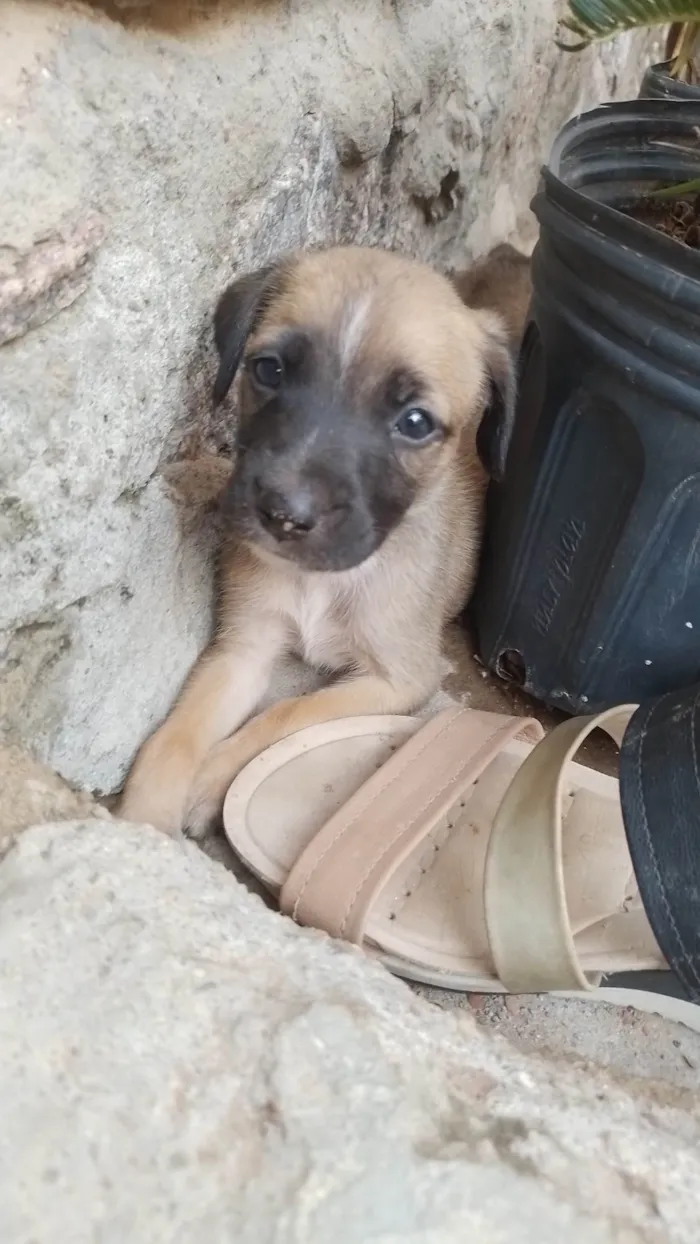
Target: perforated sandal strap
[[524, 891], [335, 881]]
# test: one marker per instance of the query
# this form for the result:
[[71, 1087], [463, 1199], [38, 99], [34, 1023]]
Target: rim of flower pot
[[657, 83], [603, 147]]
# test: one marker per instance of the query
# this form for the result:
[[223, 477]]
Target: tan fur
[[379, 625], [501, 282]]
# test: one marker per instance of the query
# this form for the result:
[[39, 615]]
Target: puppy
[[355, 508]]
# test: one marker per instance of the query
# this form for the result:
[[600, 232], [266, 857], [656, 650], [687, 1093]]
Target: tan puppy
[[355, 508]]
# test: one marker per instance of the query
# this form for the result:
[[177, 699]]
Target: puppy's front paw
[[156, 791], [205, 801], [145, 808], [201, 816]]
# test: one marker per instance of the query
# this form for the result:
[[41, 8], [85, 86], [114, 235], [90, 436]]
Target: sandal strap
[[335, 881], [527, 920]]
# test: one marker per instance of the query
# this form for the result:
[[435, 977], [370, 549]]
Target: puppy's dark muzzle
[[321, 512], [298, 512], [286, 517]]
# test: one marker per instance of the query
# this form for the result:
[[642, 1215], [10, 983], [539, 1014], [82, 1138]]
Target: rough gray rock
[[149, 151], [179, 1063], [36, 286], [31, 794]]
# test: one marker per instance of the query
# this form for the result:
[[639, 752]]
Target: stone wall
[[147, 152]]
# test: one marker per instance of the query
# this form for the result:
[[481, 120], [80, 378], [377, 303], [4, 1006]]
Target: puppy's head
[[363, 376]]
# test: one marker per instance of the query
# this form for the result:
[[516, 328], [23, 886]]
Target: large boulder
[[148, 152], [181, 1064]]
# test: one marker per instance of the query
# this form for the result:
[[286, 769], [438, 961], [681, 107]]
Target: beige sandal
[[470, 852]]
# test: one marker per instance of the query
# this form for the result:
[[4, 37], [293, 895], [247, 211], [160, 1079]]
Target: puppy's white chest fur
[[320, 613], [320, 634]]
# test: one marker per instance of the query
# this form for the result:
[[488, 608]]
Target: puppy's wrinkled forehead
[[369, 315]]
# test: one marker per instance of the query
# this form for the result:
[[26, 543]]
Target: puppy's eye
[[267, 370], [416, 425]]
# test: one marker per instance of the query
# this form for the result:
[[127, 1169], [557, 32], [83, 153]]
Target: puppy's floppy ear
[[494, 431], [239, 309]]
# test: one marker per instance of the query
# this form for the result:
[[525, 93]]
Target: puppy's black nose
[[286, 518]]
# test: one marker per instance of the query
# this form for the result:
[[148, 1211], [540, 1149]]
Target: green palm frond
[[592, 20]]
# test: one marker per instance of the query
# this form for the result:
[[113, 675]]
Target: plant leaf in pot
[[589, 589], [590, 21], [674, 78]]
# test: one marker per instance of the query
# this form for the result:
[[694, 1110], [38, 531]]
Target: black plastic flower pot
[[657, 83], [589, 586]]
